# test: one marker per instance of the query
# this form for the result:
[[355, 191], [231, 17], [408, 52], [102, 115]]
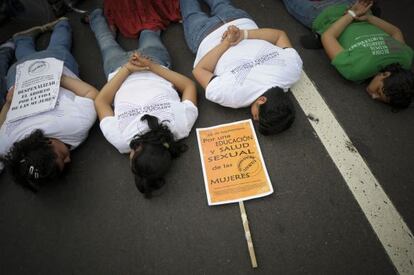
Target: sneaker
[[8, 44], [35, 31], [85, 19], [311, 41], [49, 26]]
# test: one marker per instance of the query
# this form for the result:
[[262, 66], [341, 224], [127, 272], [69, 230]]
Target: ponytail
[[154, 159]]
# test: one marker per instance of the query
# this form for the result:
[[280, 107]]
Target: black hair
[[277, 113], [399, 86], [154, 159], [32, 161]]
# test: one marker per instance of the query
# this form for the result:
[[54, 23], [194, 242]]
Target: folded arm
[[274, 36], [79, 87], [181, 83], [204, 70], [387, 27], [103, 102], [329, 38], [6, 106]]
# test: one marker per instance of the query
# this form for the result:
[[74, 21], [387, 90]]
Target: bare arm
[[203, 71], [3, 112], [329, 38], [274, 36], [6, 106], [387, 27], [103, 102], [181, 83], [79, 87]]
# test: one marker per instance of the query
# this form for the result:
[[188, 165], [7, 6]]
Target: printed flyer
[[36, 87], [232, 163]]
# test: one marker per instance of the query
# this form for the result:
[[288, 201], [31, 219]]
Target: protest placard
[[36, 87], [232, 163]]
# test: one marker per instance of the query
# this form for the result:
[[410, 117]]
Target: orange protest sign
[[232, 162]]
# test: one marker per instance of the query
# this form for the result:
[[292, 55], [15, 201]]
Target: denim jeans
[[149, 44], [59, 48], [6, 56], [197, 24], [306, 11]]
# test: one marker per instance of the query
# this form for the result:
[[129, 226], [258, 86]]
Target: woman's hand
[[138, 63]]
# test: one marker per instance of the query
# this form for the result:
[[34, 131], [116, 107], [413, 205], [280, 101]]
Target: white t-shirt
[[245, 71], [69, 121], [146, 93]]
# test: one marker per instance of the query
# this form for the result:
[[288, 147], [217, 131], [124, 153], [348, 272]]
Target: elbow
[[283, 34], [398, 31], [92, 94], [325, 38], [98, 101], [191, 85], [195, 72], [398, 35]]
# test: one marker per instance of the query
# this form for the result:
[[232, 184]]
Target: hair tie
[[34, 172], [31, 170], [166, 145]]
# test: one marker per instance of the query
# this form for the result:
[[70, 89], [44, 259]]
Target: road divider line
[[392, 231]]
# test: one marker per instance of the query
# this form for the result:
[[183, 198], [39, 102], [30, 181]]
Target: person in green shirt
[[361, 46]]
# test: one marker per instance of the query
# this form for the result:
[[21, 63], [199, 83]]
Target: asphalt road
[[94, 221]]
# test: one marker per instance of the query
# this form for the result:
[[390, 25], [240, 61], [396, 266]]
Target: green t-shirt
[[367, 48]]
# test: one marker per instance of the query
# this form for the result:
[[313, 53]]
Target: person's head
[[37, 159], [393, 85], [274, 111], [152, 154]]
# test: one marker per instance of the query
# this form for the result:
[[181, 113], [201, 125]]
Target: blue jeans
[[149, 44], [197, 24], [59, 48], [306, 11], [6, 56]]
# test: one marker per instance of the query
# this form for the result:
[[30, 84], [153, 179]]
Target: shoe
[[85, 19], [311, 41], [33, 32], [8, 44], [49, 26]]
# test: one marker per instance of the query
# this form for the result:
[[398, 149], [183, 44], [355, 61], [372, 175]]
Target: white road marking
[[384, 218]]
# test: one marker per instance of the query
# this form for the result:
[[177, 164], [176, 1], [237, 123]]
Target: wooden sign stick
[[247, 234]]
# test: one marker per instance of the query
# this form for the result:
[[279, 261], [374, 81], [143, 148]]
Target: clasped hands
[[361, 8], [137, 63], [233, 35]]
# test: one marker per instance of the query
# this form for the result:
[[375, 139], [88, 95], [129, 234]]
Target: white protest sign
[[36, 88]]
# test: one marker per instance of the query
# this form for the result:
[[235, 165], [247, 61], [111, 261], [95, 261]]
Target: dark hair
[[399, 86], [158, 148], [32, 161], [277, 113]]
